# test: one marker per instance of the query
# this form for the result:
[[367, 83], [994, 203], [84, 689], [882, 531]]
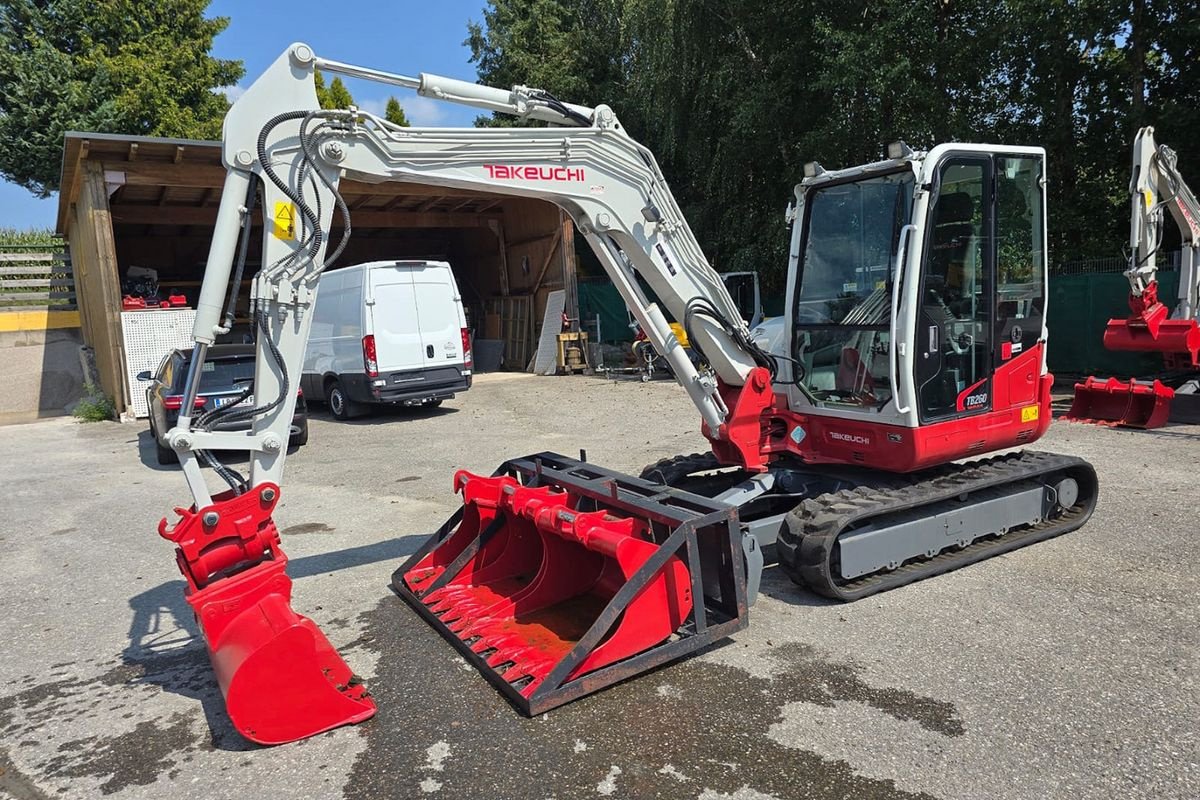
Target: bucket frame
[[705, 534]]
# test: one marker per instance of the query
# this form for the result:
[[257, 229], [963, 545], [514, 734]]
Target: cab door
[[982, 289], [953, 358]]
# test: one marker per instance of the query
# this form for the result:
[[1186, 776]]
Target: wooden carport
[[150, 202]]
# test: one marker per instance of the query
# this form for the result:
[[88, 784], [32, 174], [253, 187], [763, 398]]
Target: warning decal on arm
[[284, 226]]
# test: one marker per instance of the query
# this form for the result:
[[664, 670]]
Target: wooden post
[[497, 227], [94, 257], [569, 278]]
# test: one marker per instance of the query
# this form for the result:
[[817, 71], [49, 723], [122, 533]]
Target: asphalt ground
[[1067, 669]]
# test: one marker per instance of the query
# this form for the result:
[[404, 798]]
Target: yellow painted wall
[[38, 320]]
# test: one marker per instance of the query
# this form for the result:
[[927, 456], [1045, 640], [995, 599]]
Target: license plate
[[220, 402]]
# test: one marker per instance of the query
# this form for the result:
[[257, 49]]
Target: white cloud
[[424, 112], [372, 105], [232, 92]]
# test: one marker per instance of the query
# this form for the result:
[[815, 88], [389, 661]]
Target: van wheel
[[165, 455], [340, 405]]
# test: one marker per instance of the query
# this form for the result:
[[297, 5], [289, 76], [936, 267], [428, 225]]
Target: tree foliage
[[336, 95], [118, 66], [394, 113], [734, 98]]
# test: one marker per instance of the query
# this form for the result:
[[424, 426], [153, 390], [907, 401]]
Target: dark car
[[227, 370]]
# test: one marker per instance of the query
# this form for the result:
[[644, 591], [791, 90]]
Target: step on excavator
[[1155, 186], [916, 339]]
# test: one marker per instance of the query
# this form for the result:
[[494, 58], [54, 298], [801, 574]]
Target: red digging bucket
[[1119, 403], [281, 678], [561, 578], [1169, 336]]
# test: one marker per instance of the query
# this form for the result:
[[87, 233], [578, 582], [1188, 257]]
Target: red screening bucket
[[557, 578], [1130, 404], [281, 678]]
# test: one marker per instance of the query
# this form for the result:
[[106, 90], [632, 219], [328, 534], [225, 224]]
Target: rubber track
[[669, 471], [806, 544]]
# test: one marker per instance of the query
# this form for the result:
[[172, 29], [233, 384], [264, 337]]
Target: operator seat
[[952, 232]]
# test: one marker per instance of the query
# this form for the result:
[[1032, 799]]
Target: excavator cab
[[918, 296]]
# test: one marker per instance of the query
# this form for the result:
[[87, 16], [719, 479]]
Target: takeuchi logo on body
[[509, 173]]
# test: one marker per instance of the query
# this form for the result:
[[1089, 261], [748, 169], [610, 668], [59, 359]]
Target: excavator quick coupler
[[558, 578], [281, 678], [1129, 404]]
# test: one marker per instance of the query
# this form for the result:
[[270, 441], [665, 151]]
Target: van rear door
[[392, 306], [438, 307]]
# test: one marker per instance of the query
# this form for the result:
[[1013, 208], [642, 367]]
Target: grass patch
[[95, 406]]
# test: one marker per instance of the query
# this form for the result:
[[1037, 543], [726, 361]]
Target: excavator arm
[[1155, 187], [277, 136]]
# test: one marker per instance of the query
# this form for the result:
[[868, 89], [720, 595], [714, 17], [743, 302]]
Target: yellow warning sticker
[[1029, 413], [284, 221]]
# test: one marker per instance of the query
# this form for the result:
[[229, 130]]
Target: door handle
[[429, 350], [897, 281]]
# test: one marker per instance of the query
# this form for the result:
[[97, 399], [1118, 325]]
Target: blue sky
[[403, 37]]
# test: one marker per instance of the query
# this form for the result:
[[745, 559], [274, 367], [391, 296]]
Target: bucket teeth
[[1131, 404]]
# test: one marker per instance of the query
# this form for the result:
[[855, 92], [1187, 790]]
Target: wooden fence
[[36, 278]]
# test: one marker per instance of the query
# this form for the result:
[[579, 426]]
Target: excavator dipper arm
[[1156, 187]]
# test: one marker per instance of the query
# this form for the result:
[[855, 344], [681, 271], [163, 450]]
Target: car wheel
[[165, 454], [340, 405], [300, 437]]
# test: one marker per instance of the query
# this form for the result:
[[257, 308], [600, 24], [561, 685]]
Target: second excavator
[[916, 338]]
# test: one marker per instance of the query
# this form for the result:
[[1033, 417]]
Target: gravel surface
[[1067, 669]]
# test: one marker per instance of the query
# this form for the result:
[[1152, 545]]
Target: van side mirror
[[144, 375]]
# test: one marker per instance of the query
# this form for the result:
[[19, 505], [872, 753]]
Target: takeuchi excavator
[[1155, 187], [916, 339]]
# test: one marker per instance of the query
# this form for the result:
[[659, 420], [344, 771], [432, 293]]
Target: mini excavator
[[916, 302]]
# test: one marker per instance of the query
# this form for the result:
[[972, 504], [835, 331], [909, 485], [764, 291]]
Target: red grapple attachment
[[558, 578], [1131, 404], [281, 678]]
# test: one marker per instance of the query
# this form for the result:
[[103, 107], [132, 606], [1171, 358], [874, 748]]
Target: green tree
[[122, 66], [734, 98], [395, 113], [336, 95], [569, 48]]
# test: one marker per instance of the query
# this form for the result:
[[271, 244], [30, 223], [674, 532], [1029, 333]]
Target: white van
[[387, 332]]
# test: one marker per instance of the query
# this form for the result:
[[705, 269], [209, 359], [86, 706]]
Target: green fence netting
[[1080, 307]]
